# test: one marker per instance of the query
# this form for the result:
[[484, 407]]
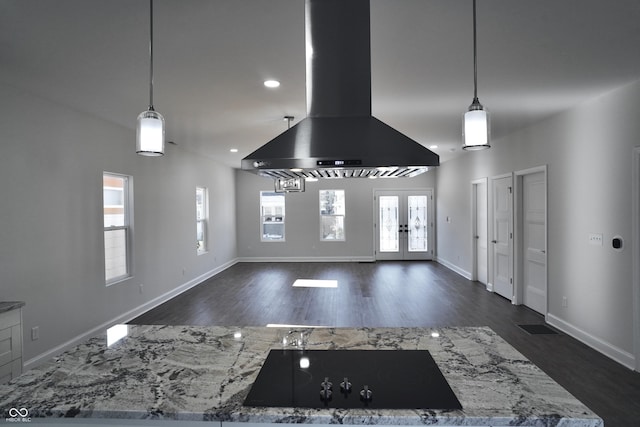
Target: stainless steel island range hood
[[339, 138]]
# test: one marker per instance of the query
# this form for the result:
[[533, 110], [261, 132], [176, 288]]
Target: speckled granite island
[[167, 373]]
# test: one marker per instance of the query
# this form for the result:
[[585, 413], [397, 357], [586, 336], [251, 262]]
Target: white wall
[[51, 251], [302, 218], [588, 151]]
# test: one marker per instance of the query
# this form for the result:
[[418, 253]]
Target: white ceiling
[[535, 58]]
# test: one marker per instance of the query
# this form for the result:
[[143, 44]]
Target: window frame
[[204, 222], [263, 216], [127, 226], [343, 215]]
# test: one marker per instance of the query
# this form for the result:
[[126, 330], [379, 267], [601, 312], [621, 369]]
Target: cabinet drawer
[[10, 344], [10, 371], [9, 318]]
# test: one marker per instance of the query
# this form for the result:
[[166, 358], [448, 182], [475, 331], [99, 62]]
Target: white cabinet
[[10, 342]]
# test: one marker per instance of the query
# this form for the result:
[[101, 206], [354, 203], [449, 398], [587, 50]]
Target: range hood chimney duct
[[339, 138], [338, 58]]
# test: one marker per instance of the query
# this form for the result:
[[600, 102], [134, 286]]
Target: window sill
[[119, 280]]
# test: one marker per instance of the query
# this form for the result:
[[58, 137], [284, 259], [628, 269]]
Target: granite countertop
[[10, 305], [204, 374]]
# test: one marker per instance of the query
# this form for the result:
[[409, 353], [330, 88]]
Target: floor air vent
[[538, 329]]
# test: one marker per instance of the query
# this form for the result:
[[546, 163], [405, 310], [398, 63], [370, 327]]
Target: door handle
[[543, 251], [494, 241], [476, 237]]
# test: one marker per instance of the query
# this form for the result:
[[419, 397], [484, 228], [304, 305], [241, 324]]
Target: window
[[117, 227], [272, 216], [202, 216], [332, 215]]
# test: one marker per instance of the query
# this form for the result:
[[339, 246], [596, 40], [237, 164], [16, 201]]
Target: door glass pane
[[418, 226], [389, 235]]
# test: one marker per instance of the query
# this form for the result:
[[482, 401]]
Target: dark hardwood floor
[[396, 294]]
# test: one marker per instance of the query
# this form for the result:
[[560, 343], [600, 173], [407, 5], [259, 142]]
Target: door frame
[[635, 185], [474, 220], [430, 212], [518, 224]]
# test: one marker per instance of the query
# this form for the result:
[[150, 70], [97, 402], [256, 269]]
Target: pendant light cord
[[475, 57], [151, 55]]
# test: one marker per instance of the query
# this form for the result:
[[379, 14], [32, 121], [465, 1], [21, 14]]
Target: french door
[[404, 224]]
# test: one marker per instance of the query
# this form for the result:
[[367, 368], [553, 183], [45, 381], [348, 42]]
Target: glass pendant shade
[[476, 129], [150, 134]]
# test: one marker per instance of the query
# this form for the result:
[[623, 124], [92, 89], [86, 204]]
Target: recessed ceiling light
[[433, 147], [234, 150], [271, 83]]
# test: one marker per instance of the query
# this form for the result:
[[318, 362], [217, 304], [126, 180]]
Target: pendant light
[[476, 129], [150, 127]]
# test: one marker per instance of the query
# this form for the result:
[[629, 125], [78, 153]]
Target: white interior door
[[502, 188], [480, 228], [534, 242], [404, 225]]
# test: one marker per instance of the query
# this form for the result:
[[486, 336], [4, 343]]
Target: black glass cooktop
[[377, 379]]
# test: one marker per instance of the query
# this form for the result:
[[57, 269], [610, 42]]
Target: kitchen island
[[172, 373]]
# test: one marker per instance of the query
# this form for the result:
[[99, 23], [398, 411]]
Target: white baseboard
[[125, 317], [308, 259], [621, 356], [490, 287], [451, 266]]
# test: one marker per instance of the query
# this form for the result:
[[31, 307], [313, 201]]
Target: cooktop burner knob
[[325, 392], [345, 385], [366, 394], [326, 384]]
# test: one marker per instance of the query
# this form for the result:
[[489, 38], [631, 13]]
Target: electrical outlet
[[595, 239], [565, 302], [141, 288], [35, 333]]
